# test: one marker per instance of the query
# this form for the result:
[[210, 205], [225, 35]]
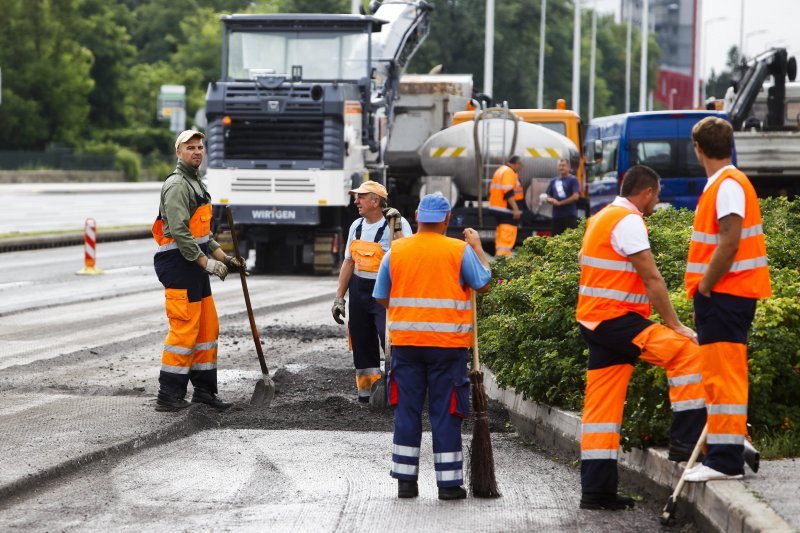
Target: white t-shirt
[[730, 196], [369, 231], [629, 236]]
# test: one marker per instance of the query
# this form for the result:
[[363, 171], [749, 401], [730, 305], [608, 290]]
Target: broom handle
[[476, 360]]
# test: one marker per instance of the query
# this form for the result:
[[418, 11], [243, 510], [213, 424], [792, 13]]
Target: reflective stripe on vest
[[174, 245], [428, 306], [748, 275], [609, 285]]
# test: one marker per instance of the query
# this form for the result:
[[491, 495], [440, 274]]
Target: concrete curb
[[724, 506], [195, 421], [34, 242]]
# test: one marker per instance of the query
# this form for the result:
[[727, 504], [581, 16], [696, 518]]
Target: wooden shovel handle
[[243, 276]]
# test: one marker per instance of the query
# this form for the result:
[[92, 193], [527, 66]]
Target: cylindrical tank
[[451, 152]]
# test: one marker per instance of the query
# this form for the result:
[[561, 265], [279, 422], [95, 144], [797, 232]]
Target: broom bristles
[[481, 464]]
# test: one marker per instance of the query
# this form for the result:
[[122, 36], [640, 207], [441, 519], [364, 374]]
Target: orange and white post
[[89, 248]]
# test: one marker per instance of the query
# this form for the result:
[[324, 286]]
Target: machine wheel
[[327, 254]]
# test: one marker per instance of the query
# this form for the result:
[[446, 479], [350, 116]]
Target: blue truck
[[658, 139]]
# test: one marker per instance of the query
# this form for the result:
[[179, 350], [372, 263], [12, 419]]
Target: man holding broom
[[619, 281], [424, 282]]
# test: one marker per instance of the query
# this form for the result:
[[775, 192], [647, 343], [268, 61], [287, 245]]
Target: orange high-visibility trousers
[[723, 321], [614, 347], [190, 347], [505, 238]]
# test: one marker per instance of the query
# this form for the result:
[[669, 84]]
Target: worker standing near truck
[[185, 257], [505, 199], [619, 281], [563, 192], [726, 274], [425, 282], [367, 242]]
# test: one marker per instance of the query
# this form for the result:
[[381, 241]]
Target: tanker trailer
[[463, 174]]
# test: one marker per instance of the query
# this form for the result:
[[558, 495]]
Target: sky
[[767, 23]]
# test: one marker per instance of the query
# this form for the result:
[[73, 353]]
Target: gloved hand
[[393, 216], [217, 268], [338, 310], [235, 265]]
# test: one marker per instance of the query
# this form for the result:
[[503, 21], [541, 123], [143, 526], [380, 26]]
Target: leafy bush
[[125, 159], [529, 337]]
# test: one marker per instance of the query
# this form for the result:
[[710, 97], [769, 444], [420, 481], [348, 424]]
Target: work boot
[[681, 451], [606, 502], [452, 493], [407, 488], [201, 396], [165, 402]]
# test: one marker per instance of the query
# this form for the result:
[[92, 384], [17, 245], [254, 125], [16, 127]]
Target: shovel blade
[[263, 393], [377, 396]]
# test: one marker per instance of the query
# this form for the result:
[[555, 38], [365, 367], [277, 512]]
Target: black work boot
[[681, 451], [452, 493], [201, 396], [608, 502], [165, 402], [407, 488]]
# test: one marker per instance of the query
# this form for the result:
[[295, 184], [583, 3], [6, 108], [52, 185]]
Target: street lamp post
[[705, 52], [540, 89], [488, 51], [592, 57], [576, 59], [628, 60], [643, 60]]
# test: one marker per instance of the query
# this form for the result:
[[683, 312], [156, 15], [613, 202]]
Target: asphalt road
[[80, 357]]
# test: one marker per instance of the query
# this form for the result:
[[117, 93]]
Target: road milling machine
[[300, 116]]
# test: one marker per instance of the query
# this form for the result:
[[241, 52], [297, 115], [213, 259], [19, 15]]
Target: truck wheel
[[326, 261]]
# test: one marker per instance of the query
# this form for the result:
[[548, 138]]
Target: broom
[[481, 461]]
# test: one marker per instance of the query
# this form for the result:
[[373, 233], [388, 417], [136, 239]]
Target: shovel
[[265, 387], [379, 395], [667, 515]]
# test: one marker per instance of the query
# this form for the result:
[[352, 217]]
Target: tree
[[45, 98]]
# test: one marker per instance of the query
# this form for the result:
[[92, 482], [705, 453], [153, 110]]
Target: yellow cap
[[373, 187]]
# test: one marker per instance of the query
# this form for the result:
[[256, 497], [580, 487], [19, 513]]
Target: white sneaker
[[702, 473]]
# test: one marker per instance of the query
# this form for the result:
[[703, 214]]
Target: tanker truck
[[459, 162]]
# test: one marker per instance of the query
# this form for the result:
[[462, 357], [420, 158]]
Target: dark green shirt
[[178, 204]]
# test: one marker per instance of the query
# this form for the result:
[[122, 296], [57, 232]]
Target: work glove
[[235, 264], [217, 268], [338, 310], [393, 216]]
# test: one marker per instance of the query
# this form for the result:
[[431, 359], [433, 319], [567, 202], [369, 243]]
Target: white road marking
[[14, 284]]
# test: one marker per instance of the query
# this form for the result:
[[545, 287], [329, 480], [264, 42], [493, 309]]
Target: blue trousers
[[442, 374], [367, 327]]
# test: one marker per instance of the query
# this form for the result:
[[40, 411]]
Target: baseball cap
[[185, 135], [433, 208], [372, 186]]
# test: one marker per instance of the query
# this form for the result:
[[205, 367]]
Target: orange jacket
[[427, 304], [610, 286], [748, 276], [505, 179]]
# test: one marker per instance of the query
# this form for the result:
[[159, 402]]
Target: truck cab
[[661, 140]]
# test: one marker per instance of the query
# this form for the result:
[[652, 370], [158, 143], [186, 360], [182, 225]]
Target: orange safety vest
[[610, 286], [199, 225], [748, 276], [367, 255], [505, 179], [427, 304]]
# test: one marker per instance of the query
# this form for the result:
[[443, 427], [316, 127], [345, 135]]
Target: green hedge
[[529, 337]]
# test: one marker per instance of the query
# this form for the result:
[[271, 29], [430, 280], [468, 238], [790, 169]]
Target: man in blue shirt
[[562, 193]]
